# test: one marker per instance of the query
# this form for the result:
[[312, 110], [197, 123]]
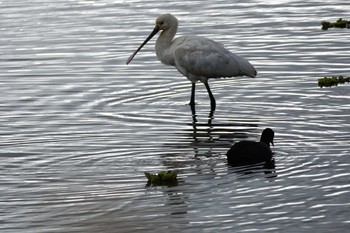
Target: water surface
[[79, 127]]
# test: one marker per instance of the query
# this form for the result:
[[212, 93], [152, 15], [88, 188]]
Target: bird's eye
[[161, 23]]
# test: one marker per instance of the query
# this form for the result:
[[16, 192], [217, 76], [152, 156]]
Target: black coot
[[250, 152]]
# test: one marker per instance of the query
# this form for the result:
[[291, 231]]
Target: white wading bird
[[197, 58]]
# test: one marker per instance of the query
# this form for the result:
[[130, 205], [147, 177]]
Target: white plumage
[[197, 58]]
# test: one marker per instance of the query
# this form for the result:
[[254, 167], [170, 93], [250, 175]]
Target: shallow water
[[79, 127]]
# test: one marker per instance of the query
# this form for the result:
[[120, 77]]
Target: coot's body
[[250, 152]]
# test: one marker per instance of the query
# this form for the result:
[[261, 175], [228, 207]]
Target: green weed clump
[[340, 23], [163, 178], [332, 81]]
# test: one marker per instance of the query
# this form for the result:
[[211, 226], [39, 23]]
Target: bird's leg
[[192, 98], [212, 99]]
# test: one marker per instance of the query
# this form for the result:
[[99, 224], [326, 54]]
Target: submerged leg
[[212, 99]]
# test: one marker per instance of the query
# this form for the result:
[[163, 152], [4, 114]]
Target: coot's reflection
[[267, 168]]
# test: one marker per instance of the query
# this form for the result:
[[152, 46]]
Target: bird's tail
[[246, 68]]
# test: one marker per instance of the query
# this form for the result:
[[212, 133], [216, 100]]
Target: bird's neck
[[163, 43], [267, 143]]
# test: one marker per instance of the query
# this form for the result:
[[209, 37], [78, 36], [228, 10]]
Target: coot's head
[[267, 136]]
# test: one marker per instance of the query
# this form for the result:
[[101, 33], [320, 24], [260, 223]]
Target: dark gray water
[[79, 127]]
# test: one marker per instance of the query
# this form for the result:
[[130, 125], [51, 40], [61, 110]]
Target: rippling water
[[79, 127]]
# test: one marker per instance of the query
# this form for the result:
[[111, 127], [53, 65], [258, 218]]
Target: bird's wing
[[203, 57]]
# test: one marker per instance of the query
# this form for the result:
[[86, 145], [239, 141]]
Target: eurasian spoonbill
[[197, 58]]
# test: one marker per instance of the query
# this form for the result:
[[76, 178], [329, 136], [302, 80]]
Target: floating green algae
[[340, 23], [163, 178], [332, 81]]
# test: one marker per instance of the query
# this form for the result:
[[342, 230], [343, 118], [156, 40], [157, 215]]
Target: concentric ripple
[[79, 127]]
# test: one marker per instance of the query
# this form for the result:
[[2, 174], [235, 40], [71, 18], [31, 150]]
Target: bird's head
[[267, 136], [166, 21], [163, 23]]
